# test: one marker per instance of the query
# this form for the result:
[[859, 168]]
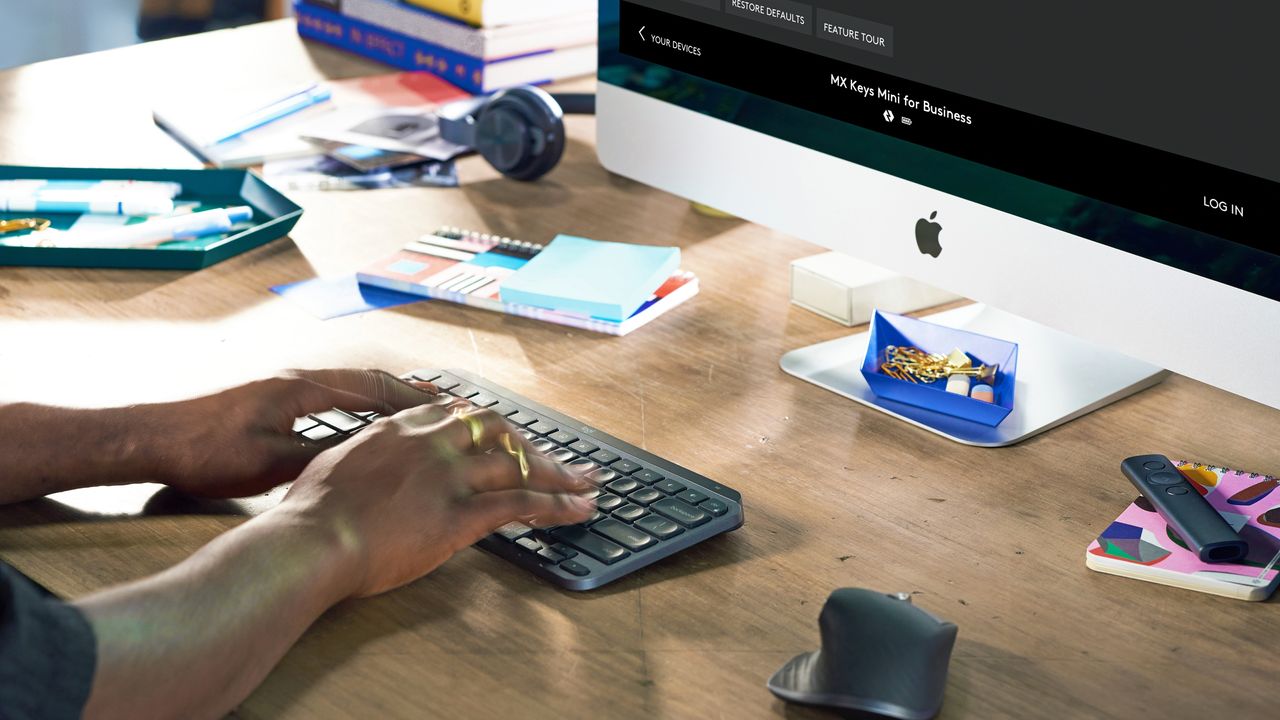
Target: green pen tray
[[274, 215]]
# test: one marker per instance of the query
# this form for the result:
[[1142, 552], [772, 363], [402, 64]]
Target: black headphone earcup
[[520, 132]]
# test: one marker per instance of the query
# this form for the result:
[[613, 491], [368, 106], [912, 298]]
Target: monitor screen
[[1148, 126]]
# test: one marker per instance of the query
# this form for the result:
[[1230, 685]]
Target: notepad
[[591, 278]]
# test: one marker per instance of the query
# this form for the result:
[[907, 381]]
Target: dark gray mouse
[[880, 654]]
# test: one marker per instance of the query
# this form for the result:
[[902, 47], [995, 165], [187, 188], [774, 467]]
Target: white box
[[847, 290]]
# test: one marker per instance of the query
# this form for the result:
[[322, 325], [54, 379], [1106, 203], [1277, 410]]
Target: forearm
[[195, 640], [50, 449]]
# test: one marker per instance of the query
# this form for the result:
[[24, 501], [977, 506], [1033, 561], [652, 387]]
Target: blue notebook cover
[[397, 50], [605, 280]]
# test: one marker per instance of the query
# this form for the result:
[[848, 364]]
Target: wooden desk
[[835, 495]]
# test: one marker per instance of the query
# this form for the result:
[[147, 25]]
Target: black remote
[[1184, 508]]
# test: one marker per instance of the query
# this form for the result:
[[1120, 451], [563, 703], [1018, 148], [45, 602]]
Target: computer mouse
[[880, 655]]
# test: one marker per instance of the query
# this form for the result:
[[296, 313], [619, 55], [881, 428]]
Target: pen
[[282, 108]]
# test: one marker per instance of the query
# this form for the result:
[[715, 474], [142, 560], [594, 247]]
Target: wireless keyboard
[[649, 508]]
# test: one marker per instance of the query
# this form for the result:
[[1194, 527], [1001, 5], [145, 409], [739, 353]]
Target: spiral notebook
[[1140, 545], [468, 267]]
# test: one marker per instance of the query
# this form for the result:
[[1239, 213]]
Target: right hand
[[409, 491]]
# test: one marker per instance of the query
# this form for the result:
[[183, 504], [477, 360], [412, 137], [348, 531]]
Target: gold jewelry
[[474, 426], [516, 450]]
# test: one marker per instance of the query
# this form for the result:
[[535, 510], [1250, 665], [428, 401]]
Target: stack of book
[[479, 45]]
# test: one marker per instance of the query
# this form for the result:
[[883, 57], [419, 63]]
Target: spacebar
[[593, 545]]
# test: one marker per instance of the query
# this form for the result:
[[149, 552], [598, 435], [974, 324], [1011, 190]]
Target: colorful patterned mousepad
[[1139, 544]]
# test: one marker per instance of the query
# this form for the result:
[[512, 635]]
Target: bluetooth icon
[[888, 116]]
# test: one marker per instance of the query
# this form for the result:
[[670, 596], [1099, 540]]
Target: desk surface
[[835, 495]]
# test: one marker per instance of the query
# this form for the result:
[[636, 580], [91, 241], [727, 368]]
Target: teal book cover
[[605, 280]]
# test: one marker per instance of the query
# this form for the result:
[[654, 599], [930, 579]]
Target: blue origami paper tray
[[889, 329]]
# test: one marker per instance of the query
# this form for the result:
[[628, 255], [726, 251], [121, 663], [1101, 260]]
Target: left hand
[[240, 441]]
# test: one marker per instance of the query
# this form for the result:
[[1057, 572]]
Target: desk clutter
[[604, 287], [171, 219], [1143, 544], [345, 129], [955, 372]]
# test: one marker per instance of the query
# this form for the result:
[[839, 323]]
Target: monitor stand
[[1060, 377]]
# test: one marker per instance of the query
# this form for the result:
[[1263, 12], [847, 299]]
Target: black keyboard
[[649, 508]]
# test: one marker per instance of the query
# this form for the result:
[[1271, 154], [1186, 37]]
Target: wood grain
[[835, 495]]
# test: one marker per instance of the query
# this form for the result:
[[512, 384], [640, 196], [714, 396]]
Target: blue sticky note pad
[[328, 298], [606, 280]]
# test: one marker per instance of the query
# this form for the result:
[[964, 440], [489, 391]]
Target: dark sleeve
[[47, 652]]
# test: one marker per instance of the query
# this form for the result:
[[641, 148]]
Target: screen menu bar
[[806, 56]]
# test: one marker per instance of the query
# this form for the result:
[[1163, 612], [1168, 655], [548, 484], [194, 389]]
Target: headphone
[[520, 130]]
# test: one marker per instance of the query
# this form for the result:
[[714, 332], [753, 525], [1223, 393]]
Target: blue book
[[604, 280], [469, 72]]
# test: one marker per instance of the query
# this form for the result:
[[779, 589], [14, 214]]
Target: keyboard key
[[624, 535], [629, 512], [543, 445], [589, 494], [645, 496], [513, 531], [563, 437], [594, 545], [596, 517], [583, 465], [608, 502], [624, 466], [339, 420], [464, 391], [623, 486], [504, 409], [529, 544], [582, 447], [320, 432], [430, 377], [680, 511], [484, 400], [561, 456], [670, 487], [575, 568], [303, 423], [604, 457], [564, 550], [446, 383], [542, 427], [601, 476], [715, 507], [547, 553], [527, 435], [647, 477], [693, 497], [522, 419], [659, 527]]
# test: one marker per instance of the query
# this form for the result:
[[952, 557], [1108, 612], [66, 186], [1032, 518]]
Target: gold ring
[[516, 450], [474, 426]]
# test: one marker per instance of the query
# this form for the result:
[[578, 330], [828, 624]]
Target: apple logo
[[927, 235]]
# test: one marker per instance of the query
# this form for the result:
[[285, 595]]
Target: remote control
[[1184, 508]]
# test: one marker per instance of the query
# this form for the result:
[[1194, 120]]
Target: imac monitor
[[1104, 174]]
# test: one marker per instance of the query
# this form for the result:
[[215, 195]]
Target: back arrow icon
[[642, 37]]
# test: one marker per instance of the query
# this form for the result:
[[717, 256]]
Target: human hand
[[240, 441], [411, 490]]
